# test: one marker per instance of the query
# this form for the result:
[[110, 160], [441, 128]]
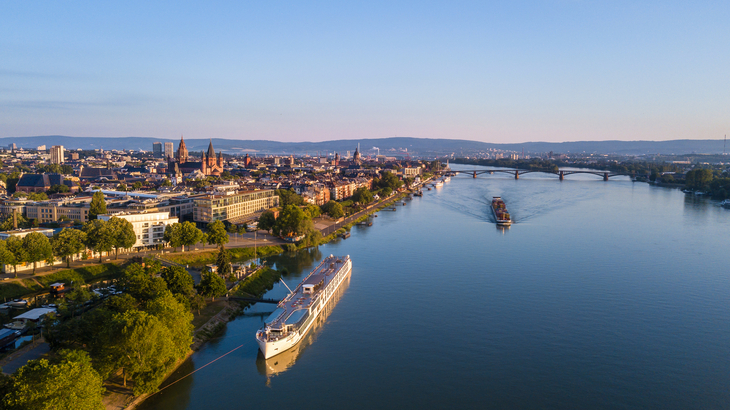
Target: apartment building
[[234, 207], [148, 226]]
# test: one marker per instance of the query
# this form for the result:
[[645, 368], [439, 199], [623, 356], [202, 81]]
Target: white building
[[148, 226], [57, 154]]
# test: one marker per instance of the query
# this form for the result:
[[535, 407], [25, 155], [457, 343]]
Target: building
[[57, 154], [21, 233], [182, 152], [233, 207], [411, 171], [157, 149], [169, 147], [148, 226], [210, 164], [43, 182]]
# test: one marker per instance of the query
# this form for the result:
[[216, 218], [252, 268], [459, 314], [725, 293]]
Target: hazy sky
[[507, 71]]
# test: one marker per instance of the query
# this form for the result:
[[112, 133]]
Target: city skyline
[[502, 73]]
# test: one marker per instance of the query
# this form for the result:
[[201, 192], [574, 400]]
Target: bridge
[[517, 172]]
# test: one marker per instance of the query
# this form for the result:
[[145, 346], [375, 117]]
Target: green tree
[[38, 196], [99, 236], [197, 302], [122, 187], [67, 243], [217, 234], [289, 197], [97, 206], [312, 211], [166, 183], [211, 285], [223, 261], [137, 186], [6, 256], [266, 221], [37, 248], [142, 346], [178, 280], [59, 188], [121, 303], [362, 196], [67, 383], [177, 318], [15, 246], [190, 235], [123, 235], [138, 283], [385, 192], [292, 222], [333, 209], [172, 236]]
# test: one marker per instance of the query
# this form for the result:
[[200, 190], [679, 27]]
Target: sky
[[502, 72]]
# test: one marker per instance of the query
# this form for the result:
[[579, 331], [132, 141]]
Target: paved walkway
[[18, 359]]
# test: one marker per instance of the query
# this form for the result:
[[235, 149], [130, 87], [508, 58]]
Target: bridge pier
[[517, 174], [475, 174], [605, 176], [562, 175]]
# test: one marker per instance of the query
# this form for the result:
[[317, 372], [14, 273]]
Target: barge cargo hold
[[499, 209]]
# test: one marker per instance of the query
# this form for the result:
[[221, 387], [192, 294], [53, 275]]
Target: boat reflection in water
[[284, 360]]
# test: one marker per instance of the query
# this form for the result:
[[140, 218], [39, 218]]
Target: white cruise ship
[[296, 313]]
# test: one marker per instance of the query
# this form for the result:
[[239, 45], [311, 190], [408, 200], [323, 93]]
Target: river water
[[601, 295]]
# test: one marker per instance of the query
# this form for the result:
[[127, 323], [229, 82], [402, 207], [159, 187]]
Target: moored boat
[[499, 209], [294, 315]]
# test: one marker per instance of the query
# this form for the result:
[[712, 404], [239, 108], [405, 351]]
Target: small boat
[[18, 303], [439, 184], [345, 235], [725, 204]]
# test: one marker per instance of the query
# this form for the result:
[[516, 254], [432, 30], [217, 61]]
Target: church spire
[[211, 152]]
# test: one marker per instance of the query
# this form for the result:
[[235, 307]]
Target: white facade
[[57, 153], [149, 227]]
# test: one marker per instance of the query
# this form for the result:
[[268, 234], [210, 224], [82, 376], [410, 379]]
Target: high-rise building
[[169, 150], [157, 149], [57, 154]]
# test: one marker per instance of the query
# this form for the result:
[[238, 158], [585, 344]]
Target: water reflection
[[283, 361], [296, 262]]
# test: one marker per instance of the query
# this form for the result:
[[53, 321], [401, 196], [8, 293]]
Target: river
[[602, 295]]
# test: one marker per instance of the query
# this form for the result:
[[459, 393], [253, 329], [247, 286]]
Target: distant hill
[[388, 146]]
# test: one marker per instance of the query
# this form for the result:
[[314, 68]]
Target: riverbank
[[218, 313]]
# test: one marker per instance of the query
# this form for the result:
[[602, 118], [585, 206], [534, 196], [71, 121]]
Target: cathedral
[[210, 164]]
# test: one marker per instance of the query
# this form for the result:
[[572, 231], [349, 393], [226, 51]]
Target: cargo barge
[[499, 209]]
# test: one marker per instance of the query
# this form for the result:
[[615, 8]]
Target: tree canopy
[[99, 236], [67, 243], [37, 248], [217, 234], [362, 196], [178, 280], [68, 382], [333, 209], [289, 197], [123, 236], [266, 221], [292, 222], [211, 285], [97, 206]]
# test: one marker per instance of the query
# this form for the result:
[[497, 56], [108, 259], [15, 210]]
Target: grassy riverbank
[[198, 259], [87, 274]]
